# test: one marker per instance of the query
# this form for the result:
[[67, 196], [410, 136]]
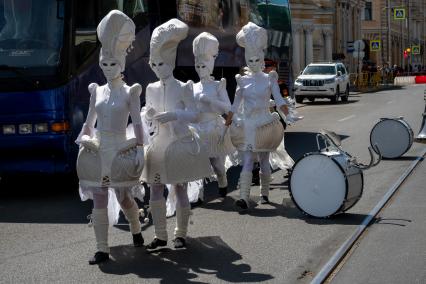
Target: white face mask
[[204, 68], [255, 63], [161, 69], [111, 68]]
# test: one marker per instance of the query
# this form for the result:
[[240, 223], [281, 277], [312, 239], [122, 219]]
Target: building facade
[[395, 35], [325, 31]]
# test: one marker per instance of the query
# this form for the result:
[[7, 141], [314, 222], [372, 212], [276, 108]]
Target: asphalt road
[[393, 249], [44, 235]]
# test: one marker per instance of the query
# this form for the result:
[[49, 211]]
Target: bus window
[[86, 21], [89, 14], [31, 35]]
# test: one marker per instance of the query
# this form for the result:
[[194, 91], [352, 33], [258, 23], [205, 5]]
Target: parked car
[[322, 80]]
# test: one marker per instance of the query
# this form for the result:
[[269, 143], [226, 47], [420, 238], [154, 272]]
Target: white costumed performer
[[107, 158], [212, 101], [254, 129], [175, 155]]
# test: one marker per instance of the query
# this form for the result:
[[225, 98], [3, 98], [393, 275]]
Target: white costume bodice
[[254, 92], [111, 108], [172, 95], [218, 100]]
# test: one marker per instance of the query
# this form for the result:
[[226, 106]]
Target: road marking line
[[389, 102], [346, 118]]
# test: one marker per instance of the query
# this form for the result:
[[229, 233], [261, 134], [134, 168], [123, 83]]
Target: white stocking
[[100, 226], [157, 206], [218, 165]]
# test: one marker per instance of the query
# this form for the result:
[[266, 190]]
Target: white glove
[[164, 117], [140, 158], [89, 143]]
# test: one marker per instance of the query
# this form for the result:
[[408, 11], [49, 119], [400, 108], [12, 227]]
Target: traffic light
[[407, 52]]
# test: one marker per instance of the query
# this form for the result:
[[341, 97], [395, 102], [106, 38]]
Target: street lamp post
[[389, 32]]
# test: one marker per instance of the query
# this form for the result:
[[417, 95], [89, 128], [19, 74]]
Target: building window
[[368, 11]]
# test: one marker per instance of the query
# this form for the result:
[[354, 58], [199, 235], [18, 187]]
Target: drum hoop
[[340, 209], [407, 128], [360, 195]]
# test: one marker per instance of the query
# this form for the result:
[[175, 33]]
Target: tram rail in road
[[326, 272]]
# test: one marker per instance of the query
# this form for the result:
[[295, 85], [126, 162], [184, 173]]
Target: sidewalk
[[394, 248], [375, 89]]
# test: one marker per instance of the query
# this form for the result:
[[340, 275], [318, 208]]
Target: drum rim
[[340, 209], [360, 195], [409, 130]]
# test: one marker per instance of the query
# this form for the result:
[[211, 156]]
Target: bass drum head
[[318, 185], [392, 138]]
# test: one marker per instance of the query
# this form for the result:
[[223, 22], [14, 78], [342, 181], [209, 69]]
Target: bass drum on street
[[393, 137], [326, 183]]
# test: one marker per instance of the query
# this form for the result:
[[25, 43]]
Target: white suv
[[322, 80]]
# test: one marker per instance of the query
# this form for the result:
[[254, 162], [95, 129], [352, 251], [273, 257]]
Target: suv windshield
[[320, 70], [31, 35]]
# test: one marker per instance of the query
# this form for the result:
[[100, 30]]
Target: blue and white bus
[[49, 55]]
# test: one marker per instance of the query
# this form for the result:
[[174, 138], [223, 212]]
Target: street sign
[[359, 45], [399, 13], [375, 45], [415, 49], [350, 46], [358, 54]]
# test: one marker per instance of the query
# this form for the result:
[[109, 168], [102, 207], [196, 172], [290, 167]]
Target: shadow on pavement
[[340, 219], [298, 144], [204, 255], [403, 158], [42, 199]]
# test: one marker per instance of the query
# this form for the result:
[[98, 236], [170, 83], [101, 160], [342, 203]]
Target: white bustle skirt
[[111, 162], [210, 130], [108, 167], [170, 159], [261, 131]]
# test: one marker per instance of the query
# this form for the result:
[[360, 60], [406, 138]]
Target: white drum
[[326, 183], [393, 137]]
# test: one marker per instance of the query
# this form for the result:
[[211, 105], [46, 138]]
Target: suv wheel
[[346, 96], [299, 99], [335, 98]]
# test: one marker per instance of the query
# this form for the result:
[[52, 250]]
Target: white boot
[[132, 216], [182, 220], [245, 186], [100, 226], [265, 181], [158, 212]]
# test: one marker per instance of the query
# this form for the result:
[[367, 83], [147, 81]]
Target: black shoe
[[137, 240], [264, 199], [99, 257], [241, 204], [223, 191], [156, 243], [179, 243]]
